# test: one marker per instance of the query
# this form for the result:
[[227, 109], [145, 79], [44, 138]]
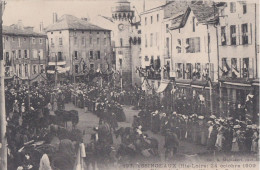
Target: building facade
[[24, 53], [77, 47], [127, 42], [238, 64], [211, 52], [194, 56], [156, 45]]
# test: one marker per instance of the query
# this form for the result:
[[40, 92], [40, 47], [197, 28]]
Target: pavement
[[88, 120], [188, 153]]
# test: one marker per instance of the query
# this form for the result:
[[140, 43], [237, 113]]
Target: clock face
[[121, 27]]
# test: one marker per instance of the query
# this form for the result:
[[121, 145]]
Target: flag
[[223, 38], [63, 70], [50, 71], [201, 98], [248, 97], [235, 71]]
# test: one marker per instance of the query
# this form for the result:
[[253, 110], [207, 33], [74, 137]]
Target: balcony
[[149, 73], [154, 75], [237, 68], [197, 71]]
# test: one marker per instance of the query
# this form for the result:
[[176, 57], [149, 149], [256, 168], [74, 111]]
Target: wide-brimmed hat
[[201, 117], [212, 117], [237, 126]]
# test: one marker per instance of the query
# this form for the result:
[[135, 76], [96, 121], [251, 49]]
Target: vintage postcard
[[129, 84]]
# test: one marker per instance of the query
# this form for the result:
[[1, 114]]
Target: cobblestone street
[[87, 121]]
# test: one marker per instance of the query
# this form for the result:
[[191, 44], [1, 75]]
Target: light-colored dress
[[235, 147], [220, 137], [55, 105], [255, 139]]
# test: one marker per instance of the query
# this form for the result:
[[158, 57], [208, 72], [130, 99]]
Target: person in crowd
[[235, 140], [255, 140], [171, 144]]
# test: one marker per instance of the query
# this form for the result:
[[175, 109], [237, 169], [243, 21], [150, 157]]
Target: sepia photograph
[[129, 85]]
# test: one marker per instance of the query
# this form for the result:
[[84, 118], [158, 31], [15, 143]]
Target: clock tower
[[122, 17]]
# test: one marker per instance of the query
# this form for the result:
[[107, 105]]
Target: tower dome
[[122, 10]]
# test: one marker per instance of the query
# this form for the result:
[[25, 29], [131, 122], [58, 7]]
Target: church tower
[[122, 16]]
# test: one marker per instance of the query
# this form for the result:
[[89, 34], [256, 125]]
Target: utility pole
[[3, 122]]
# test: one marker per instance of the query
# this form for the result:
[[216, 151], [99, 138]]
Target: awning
[[60, 63], [162, 87], [256, 82], [63, 70], [201, 83]]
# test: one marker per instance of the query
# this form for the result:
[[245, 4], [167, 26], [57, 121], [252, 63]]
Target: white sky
[[32, 12]]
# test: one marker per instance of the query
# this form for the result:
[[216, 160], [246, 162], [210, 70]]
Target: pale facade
[[127, 42], [25, 53], [239, 51], [84, 48]]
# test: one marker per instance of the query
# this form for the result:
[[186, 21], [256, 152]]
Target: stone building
[[127, 42], [156, 45], [194, 55], [238, 44], [77, 46], [24, 53]]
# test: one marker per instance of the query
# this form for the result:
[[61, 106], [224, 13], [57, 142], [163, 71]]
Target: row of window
[[84, 67], [154, 38], [77, 56], [236, 36], [14, 39], [23, 54], [82, 42], [25, 67], [233, 7], [90, 32], [237, 67], [151, 19], [197, 70], [192, 45], [92, 55]]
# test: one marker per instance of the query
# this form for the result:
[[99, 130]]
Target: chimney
[[54, 17], [41, 26], [20, 24]]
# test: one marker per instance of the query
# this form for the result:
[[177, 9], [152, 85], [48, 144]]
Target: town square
[[129, 84]]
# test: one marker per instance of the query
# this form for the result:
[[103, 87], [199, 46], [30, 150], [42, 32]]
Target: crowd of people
[[219, 134], [30, 121]]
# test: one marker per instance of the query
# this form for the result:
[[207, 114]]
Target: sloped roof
[[175, 7], [70, 22], [12, 30], [156, 8], [203, 11]]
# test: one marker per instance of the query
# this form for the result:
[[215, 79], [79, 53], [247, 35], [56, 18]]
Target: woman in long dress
[[255, 140], [55, 104], [220, 137], [203, 131], [236, 133]]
